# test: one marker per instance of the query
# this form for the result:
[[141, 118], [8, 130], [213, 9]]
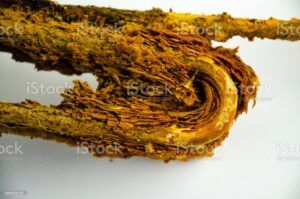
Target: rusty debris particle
[[163, 92]]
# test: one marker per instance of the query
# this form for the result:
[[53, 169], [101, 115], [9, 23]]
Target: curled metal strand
[[204, 88]]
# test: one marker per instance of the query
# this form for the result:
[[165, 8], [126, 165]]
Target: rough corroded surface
[[196, 92], [216, 27]]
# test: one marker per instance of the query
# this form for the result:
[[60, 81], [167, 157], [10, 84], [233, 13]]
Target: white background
[[260, 158]]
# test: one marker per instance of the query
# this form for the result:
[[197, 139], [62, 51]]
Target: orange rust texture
[[196, 92]]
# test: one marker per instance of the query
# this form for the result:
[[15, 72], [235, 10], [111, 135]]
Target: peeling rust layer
[[216, 27], [201, 89]]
